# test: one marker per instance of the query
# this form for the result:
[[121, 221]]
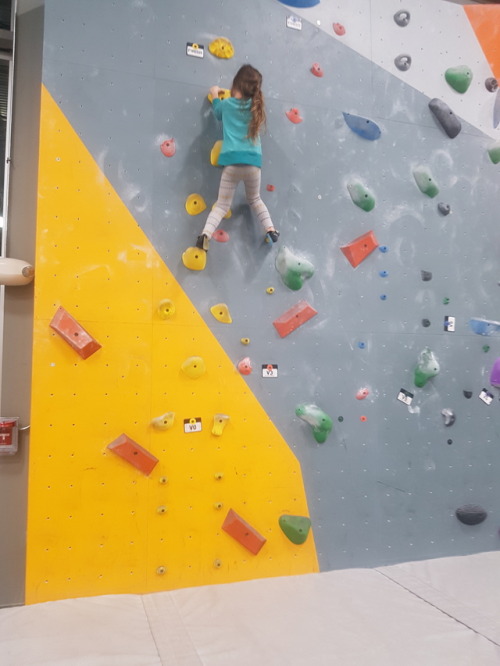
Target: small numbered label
[[449, 324], [294, 22], [405, 396], [486, 397], [269, 370], [192, 425], [195, 50]]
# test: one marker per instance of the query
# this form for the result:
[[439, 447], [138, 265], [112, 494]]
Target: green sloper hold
[[361, 196], [295, 528], [494, 152], [427, 367], [425, 182], [459, 78], [320, 422], [292, 268]]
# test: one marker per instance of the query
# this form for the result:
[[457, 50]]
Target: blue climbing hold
[[363, 127], [484, 326], [383, 248], [383, 273], [361, 345], [383, 297], [300, 3]]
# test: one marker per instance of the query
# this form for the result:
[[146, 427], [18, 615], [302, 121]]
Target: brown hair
[[248, 81]]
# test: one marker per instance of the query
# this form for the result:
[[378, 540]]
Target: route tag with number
[[405, 396], [486, 397], [294, 22], [192, 425], [195, 50], [269, 370]]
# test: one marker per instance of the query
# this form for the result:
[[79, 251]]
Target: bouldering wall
[[352, 358]]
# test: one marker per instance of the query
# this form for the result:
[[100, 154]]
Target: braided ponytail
[[248, 81]]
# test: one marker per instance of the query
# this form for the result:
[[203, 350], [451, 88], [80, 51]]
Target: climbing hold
[[221, 48], [363, 127], [293, 318], [125, 447], [316, 70], [403, 62], [300, 3], [426, 276], [217, 564], [194, 367], [163, 480], [402, 18], [362, 394], [220, 422], [383, 248], [459, 78], [383, 297], [220, 236], [494, 152], [444, 208], [471, 514], [245, 341], [486, 348], [495, 374], [363, 419], [319, 420], [166, 308], [270, 188], [161, 509], [357, 250], [426, 323], [338, 29], [425, 182], [383, 274], [161, 571], [194, 258], [243, 532], [164, 422], [491, 84], [446, 300], [245, 366], [195, 204], [340, 419], [445, 117], [73, 333], [295, 528], [361, 196], [168, 147], [214, 154], [467, 394], [294, 116], [361, 345], [218, 476], [484, 326], [224, 93], [448, 416], [496, 110], [293, 268], [218, 506], [449, 441], [221, 313], [427, 367], [270, 290]]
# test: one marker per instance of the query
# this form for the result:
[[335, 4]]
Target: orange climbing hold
[[134, 454], [316, 70], [74, 334], [243, 532], [293, 318], [294, 116], [357, 250], [338, 29]]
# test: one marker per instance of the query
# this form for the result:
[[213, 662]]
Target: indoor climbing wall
[[190, 426]]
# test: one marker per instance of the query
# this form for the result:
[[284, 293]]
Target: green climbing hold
[[296, 528], [320, 422], [292, 268], [361, 196], [446, 300], [486, 348], [427, 367], [425, 182], [459, 78], [494, 152]]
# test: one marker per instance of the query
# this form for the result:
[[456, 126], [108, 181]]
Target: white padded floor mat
[[443, 612]]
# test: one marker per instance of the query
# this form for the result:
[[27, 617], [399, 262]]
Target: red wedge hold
[[133, 453], [243, 532], [74, 334], [293, 318], [357, 250]]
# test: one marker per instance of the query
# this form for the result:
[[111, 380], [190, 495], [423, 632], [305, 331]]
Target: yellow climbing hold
[[215, 152], [194, 258], [270, 290], [224, 93], [221, 313], [221, 48], [163, 422], [166, 308], [245, 341], [194, 367], [195, 204], [220, 421]]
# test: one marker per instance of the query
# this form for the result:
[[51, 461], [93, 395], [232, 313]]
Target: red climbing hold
[[243, 532], [294, 116], [316, 70], [220, 236], [357, 250], [293, 318], [338, 29], [245, 366], [270, 188], [168, 147], [74, 334], [133, 453]]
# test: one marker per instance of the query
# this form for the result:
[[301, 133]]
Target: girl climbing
[[242, 117]]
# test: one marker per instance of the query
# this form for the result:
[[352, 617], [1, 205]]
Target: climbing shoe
[[202, 242], [273, 235]]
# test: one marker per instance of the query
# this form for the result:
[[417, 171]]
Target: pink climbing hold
[[168, 147], [245, 366], [316, 70], [220, 236], [338, 29], [362, 393], [294, 116], [270, 188]]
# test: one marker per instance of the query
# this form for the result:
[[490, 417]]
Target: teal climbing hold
[[319, 420], [425, 181], [459, 78], [361, 196], [294, 270], [363, 127], [494, 152], [427, 367], [295, 528]]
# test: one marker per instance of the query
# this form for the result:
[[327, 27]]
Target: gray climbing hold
[[471, 514], [426, 323], [496, 110], [425, 182], [467, 394], [491, 84], [403, 62], [363, 127], [444, 208], [448, 416], [445, 117], [426, 276], [402, 18]]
